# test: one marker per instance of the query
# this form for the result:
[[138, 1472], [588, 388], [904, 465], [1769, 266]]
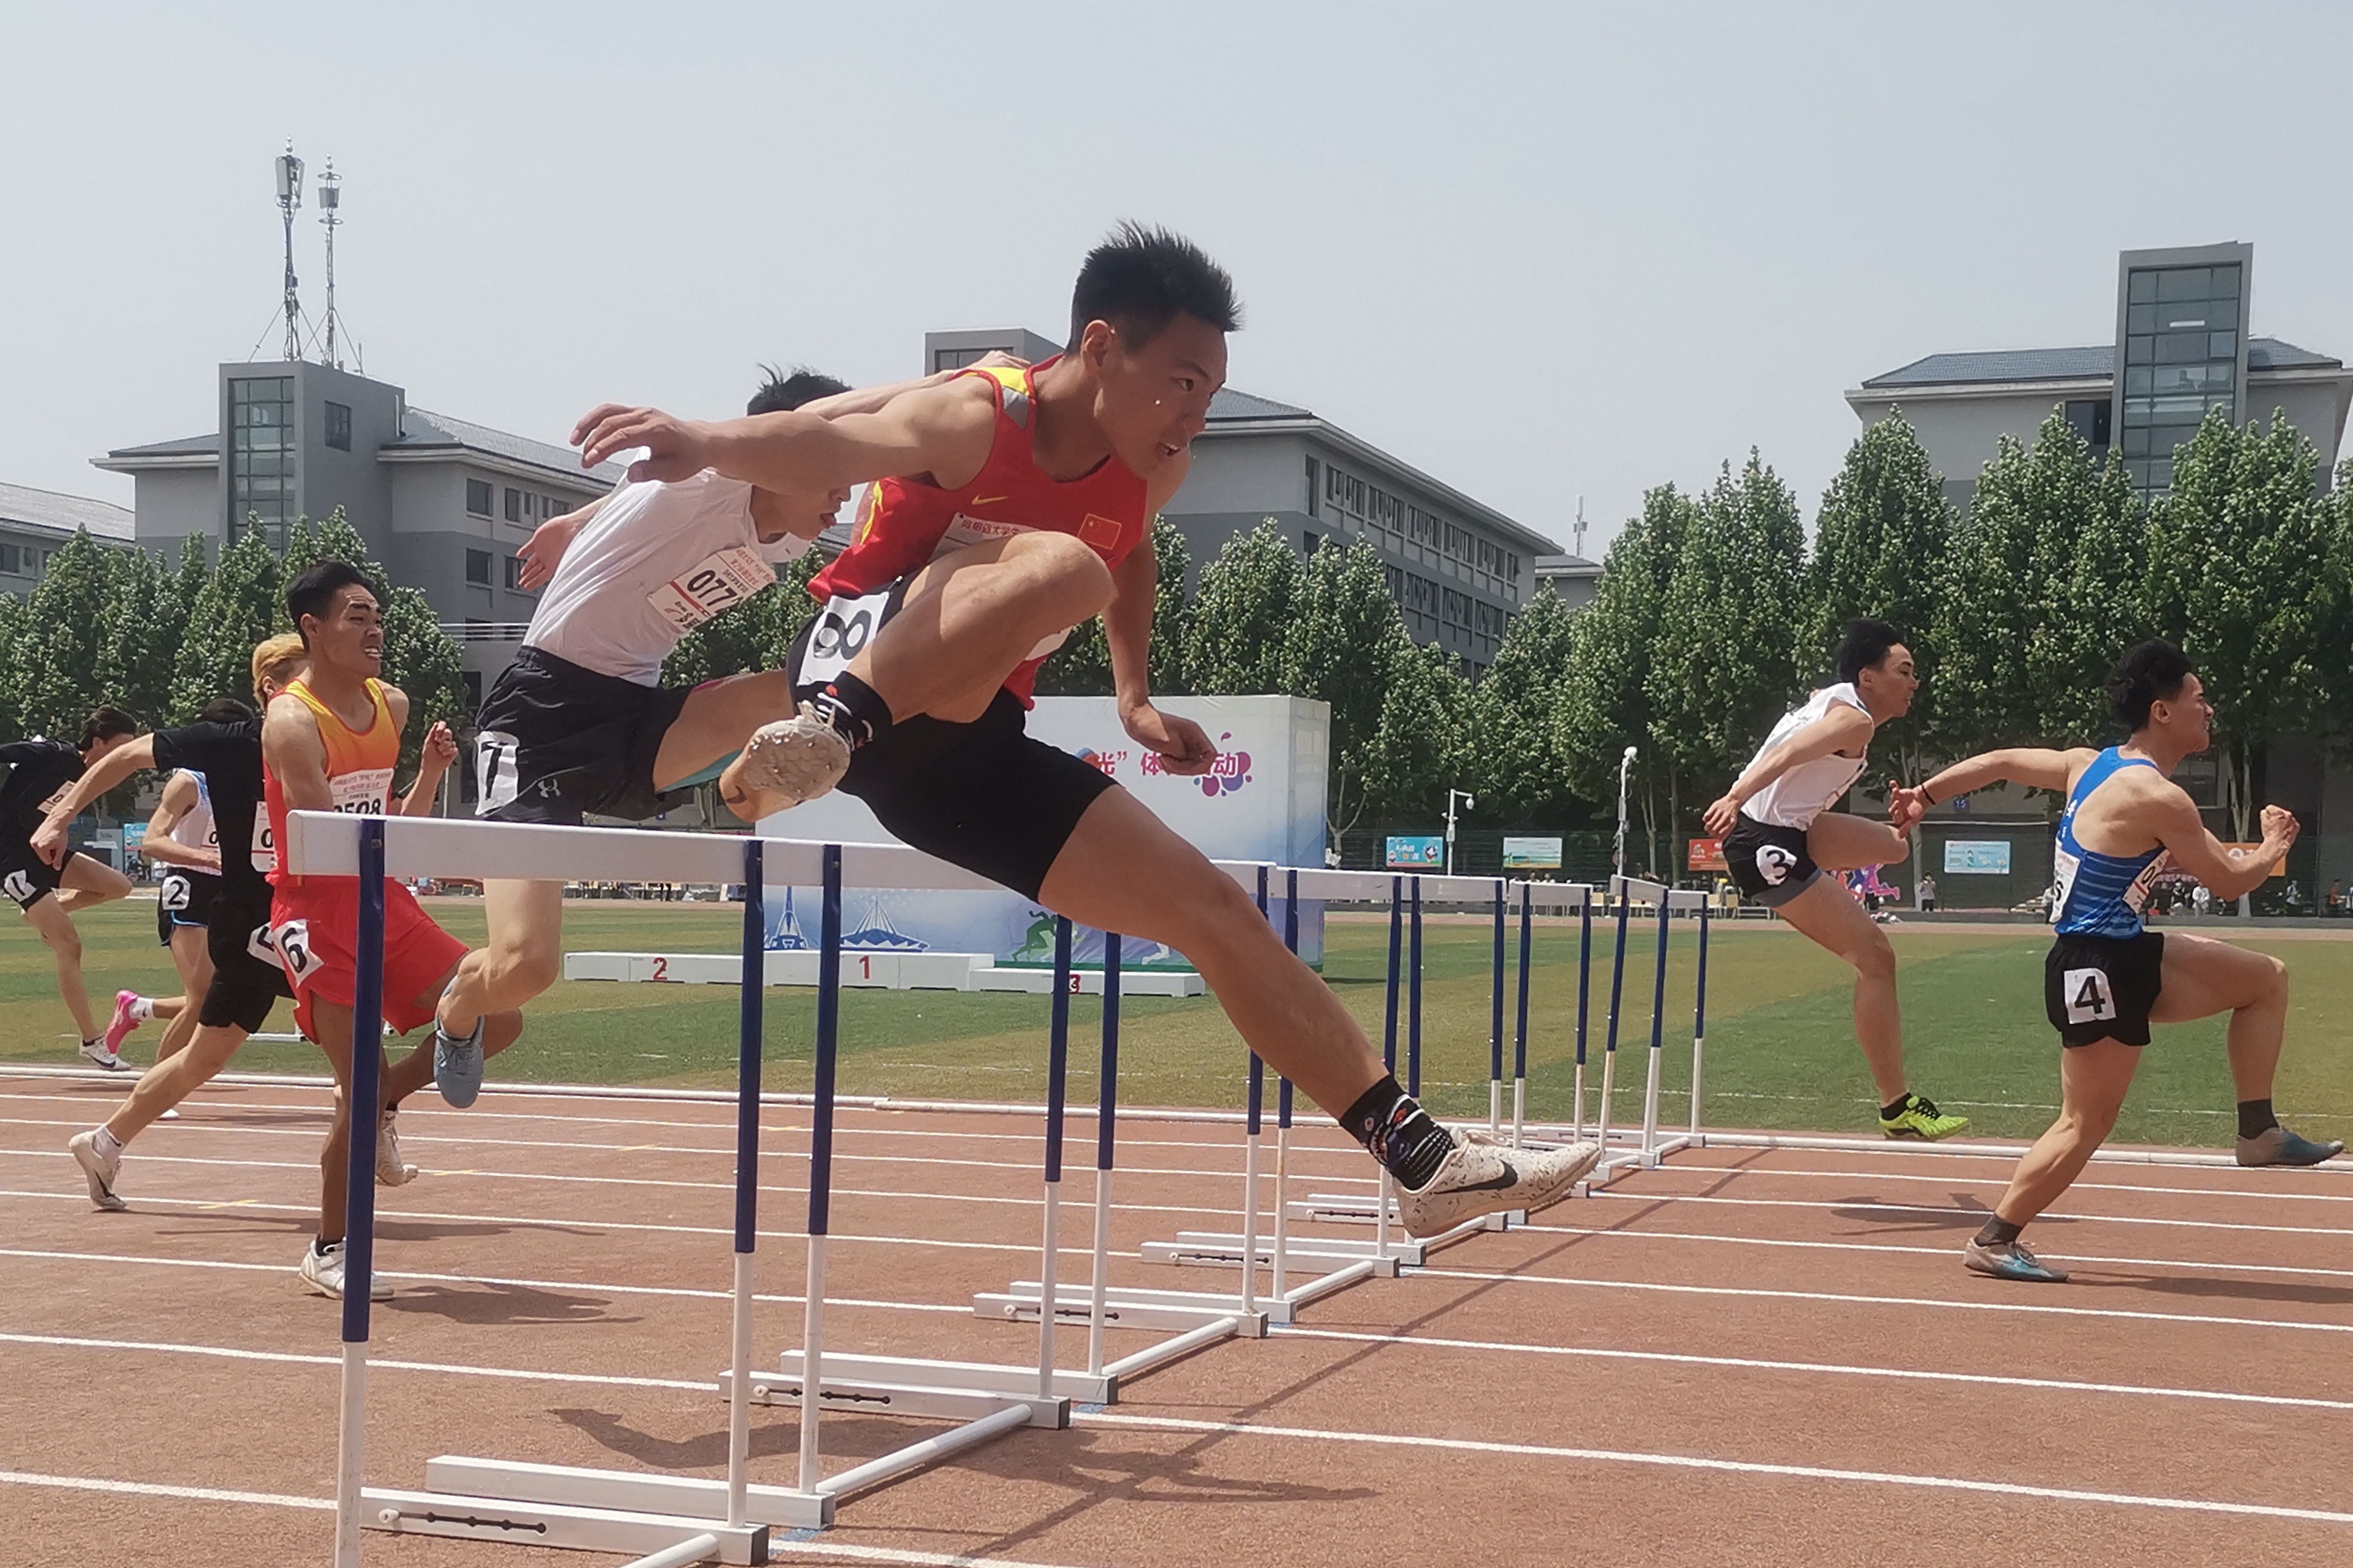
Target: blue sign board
[[1417, 853]]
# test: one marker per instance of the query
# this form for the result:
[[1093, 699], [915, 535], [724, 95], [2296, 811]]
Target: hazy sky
[[1538, 250]]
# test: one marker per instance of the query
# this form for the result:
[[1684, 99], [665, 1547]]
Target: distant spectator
[[2203, 896], [2335, 900], [1927, 893]]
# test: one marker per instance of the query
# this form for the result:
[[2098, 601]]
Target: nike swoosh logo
[[1505, 1182], [984, 501]]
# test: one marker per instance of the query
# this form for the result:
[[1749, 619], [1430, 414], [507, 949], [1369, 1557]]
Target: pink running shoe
[[122, 1023]]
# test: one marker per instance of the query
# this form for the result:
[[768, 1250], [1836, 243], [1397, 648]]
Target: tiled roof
[[2093, 363], [421, 429], [186, 447], [1228, 405], [48, 509]]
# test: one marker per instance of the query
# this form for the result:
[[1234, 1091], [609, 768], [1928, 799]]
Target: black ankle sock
[[2255, 1118], [1396, 1131], [853, 707], [1894, 1108], [319, 1249], [1998, 1233]]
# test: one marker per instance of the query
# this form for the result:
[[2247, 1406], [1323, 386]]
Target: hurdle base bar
[[1185, 1311], [1352, 1208], [650, 1535], [1218, 1248], [969, 1379]]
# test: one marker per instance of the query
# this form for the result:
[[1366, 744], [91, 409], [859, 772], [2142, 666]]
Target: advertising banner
[[1531, 854], [1416, 852], [2238, 849], [1977, 856], [1704, 854], [1262, 801]]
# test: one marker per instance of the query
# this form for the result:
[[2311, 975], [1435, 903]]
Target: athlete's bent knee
[[529, 971]]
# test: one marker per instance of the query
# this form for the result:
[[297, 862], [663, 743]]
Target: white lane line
[[535, 1222], [1749, 1364], [1894, 1248], [580, 1285], [375, 1364], [783, 1550], [1732, 1467], [1994, 1179], [1845, 1299], [1948, 1211]]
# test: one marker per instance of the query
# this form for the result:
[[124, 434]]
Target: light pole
[[1452, 796], [1625, 766]]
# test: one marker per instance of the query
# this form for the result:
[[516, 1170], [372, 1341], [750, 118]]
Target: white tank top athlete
[[195, 830], [1807, 790], [658, 561]]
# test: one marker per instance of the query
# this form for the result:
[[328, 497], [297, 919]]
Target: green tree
[[12, 682], [2092, 559], [756, 634], [1418, 749], [1081, 665], [1726, 665], [1242, 615], [242, 602], [1344, 634], [60, 647], [1880, 548], [1605, 704], [141, 627], [2237, 575], [1515, 713]]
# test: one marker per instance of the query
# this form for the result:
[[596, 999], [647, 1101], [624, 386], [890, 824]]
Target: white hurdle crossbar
[[1648, 1149]]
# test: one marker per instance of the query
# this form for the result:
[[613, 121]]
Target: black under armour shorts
[[558, 743], [1770, 864], [183, 897], [27, 879], [2103, 988], [986, 795]]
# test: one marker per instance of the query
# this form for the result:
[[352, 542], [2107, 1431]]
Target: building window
[[261, 456], [1310, 541], [956, 359], [2090, 418], [339, 426], [2182, 326], [514, 574], [16, 560], [515, 504], [1314, 479], [477, 567], [477, 497]]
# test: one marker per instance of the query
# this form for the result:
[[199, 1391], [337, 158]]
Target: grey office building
[[1458, 568], [442, 502], [35, 524]]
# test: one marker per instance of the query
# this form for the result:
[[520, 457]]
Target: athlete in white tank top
[[1807, 789], [194, 829]]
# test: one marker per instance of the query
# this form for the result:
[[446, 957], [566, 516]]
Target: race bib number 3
[[2090, 998], [720, 581]]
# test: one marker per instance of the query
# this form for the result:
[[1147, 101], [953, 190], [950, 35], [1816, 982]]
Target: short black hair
[[785, 390], [223, 711], [105, 724], [2151, 673], [1866, 642], [310, 593], [1140, 279]]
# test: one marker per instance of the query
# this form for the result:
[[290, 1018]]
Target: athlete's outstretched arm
[[1837, 729], [180, 798], [943, 431], [2036, 767], [1183, 745], [132, 756], [440, 750], [2228, 873]]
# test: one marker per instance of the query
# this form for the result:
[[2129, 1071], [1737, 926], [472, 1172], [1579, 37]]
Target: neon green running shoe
[[1921, 1118]]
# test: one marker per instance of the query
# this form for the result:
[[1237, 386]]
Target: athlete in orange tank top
[[360, 763]]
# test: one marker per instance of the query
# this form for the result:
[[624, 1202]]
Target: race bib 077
[[723, 580]]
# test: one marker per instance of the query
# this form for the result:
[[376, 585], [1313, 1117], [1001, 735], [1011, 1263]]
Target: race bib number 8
[[2090, 998], [843, 629]]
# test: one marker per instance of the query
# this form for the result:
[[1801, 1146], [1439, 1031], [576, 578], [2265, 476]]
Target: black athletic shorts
[[558, 743], [2103, 988], [27, 879], [984, 795], [183, 897], [1770, 864], [247, 975]]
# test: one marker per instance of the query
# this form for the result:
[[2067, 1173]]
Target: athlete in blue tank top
[[2107, 978]]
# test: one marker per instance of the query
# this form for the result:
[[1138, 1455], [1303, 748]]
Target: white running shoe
[[98, 1169], [324, 1272], [391, 1170], [801, 757], [98, 1051], [1485, 1176]]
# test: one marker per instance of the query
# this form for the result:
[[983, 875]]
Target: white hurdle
[[1648, 1148]]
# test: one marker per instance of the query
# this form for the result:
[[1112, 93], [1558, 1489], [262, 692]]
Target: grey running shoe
[[104, 1056], [391, 1170], [457, 1070], [324, 1272], [98, 1169], [1482, 1175], [2275, 1145], [800, 758], [2012, 1260]]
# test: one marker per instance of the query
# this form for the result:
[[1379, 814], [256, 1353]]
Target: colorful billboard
[[1531, 854], [1416, 852], [1977, 856]]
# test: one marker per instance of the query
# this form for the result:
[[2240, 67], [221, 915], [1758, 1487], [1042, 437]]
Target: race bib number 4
[[720, 581], [2090, 997]]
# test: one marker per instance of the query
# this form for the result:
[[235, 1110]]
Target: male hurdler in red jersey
[[1008, 508]]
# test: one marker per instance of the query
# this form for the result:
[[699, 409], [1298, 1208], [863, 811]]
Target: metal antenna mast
[[1580, 500], [331, 195], [290, 196]]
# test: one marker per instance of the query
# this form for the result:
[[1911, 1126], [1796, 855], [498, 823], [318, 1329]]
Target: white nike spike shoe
[[800, 758], [323, 1273], [1484, 1176], [391, 1170], [98, 1169]]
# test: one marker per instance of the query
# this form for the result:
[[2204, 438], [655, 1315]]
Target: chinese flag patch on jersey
[[1099, 533]]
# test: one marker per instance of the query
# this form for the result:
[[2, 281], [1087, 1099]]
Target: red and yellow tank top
[[906, 523], [359, 763]]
